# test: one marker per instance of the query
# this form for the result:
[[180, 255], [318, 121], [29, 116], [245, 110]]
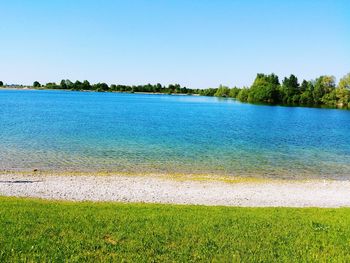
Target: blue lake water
[[88, 131]]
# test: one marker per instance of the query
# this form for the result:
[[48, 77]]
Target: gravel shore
[[157, 189]]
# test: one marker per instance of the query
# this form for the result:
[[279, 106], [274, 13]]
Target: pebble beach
[[167, 190]]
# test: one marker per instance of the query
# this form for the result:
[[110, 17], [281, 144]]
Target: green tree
[[1, 83], [63, 84], [208, 92], [51, 85], [243, 95], [222, 91], [158, 87], [177, 88], [77, 85], [343, 97], [100, 87], [289, 88], [306, 97], [345, 82], [265, 89], [343, 92], [330, 98], [304, 86], [86, 85], [36, 84], [322, 86], [234, 92], [66, 84], [184, 90]]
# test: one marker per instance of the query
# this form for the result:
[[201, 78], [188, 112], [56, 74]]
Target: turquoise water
[[86, 131]]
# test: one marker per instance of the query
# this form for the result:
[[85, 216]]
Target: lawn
[[37, 230]]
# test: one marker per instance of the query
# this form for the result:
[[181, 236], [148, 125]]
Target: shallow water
[[88, 131]]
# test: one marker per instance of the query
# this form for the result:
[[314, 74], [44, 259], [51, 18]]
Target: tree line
[[266, 89], [103, 87]]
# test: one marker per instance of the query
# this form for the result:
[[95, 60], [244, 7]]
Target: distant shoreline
[[126, 92], [16, 88], [266, 89]]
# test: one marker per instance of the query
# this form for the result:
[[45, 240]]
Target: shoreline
[[125, 92], [191, 190]]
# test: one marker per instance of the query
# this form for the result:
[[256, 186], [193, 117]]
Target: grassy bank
[[35, 230]]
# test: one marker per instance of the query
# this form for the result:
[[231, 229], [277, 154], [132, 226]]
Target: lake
[[89, 131]]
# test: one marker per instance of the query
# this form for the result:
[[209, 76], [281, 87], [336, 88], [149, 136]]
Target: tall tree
[[304, 86], [68, 84], [243, 95], [86, 85], [345, 82], [78, 85], [289, 88], [306, 89], [234, 92], [36, 84], [63, 84], [222, 91], [264, 89], [343, 91], [323, 85]]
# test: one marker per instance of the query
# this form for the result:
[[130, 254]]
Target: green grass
[[36, 230]]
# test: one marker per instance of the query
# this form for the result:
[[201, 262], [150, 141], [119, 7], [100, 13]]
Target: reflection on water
[[59, 130]]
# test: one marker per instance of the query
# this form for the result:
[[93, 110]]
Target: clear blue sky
[[197, 43]]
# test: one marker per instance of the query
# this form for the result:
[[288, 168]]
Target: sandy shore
[[158, 189]]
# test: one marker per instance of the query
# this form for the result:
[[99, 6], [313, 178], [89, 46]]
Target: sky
[[196, 43]]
